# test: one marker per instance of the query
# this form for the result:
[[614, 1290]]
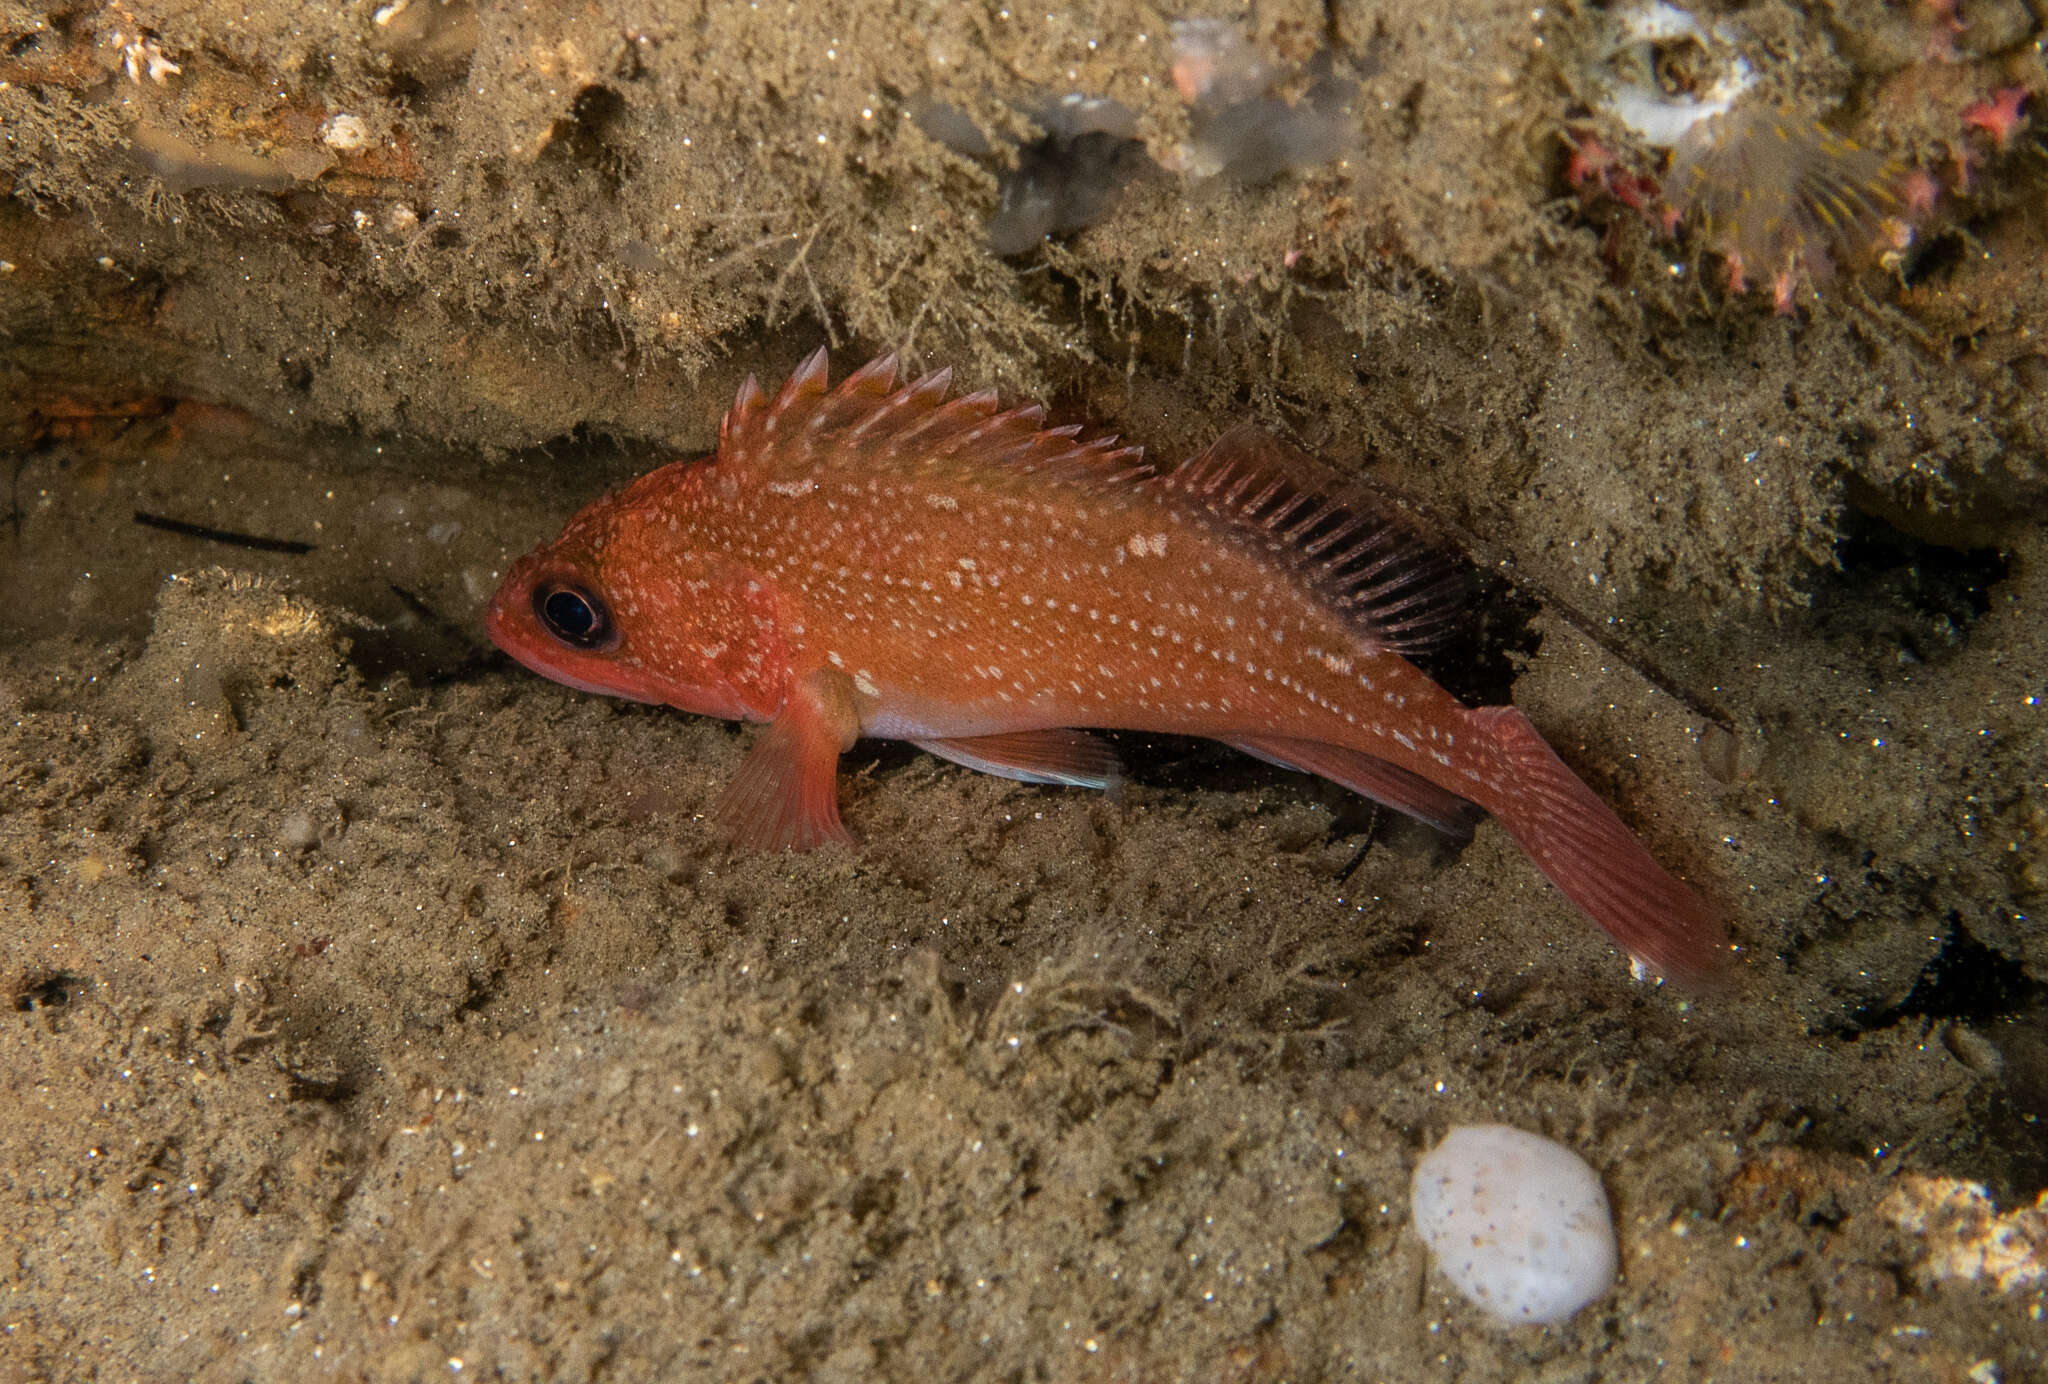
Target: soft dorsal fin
[[1395, 588], [871, 422]]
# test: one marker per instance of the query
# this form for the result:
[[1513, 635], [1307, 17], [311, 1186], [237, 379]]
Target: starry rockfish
[[875, 560]]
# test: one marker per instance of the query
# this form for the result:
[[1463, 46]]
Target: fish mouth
[[556, 673], [496, 625]]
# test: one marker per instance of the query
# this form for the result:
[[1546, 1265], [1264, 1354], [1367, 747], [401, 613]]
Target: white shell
[[1517, 1222]]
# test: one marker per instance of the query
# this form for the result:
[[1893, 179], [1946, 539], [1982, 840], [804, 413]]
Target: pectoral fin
[[1071, 758], [786, 794]]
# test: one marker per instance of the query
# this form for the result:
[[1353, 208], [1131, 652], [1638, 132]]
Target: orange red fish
[[878, 560]]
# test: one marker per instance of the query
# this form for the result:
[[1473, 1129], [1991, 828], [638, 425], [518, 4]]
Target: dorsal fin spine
[[878, 376], [1358, 560], [1011, 420], [868, 423], [808, 378], [859, 395], [922, 433], [1348, 563], [1264, 497], [1316, 547], [1295, 519], [915, 396]]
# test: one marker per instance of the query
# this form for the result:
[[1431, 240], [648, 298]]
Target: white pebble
[[345, 132], [1518, 1223]]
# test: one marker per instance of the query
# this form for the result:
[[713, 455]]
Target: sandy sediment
[[376, 1006]]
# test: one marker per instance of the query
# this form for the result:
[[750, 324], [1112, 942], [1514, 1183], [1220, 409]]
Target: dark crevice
[[55, 990], [586, 137], [1901, 595], [1955, 582], [1966, 980], [1983, 992], [1937, 257]]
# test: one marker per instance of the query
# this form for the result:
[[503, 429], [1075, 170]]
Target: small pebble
[[297, 832], [345, 132]]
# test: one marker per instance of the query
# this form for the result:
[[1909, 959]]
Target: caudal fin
[[1592, 856]]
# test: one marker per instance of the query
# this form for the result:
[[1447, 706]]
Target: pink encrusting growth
[[876, 560], [1998, 115]]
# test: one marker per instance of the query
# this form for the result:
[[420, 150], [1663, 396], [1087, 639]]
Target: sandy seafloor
[[378, 1010]]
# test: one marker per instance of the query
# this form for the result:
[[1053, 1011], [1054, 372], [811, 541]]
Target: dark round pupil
[[571, 616]]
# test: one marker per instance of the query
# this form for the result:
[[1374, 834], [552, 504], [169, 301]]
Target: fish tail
[[1592, 856]]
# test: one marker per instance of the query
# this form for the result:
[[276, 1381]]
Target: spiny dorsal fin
[[868, 421], [1397, 590]]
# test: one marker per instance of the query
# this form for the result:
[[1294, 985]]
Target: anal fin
[[1070, 758], [786, 793], [1375, 778]]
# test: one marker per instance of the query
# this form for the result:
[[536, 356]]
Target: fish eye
[[574, 615]]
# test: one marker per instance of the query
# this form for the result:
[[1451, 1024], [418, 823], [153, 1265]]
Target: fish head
[[624, 604]]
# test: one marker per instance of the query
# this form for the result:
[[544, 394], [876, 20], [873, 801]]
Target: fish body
[[876, 560]]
